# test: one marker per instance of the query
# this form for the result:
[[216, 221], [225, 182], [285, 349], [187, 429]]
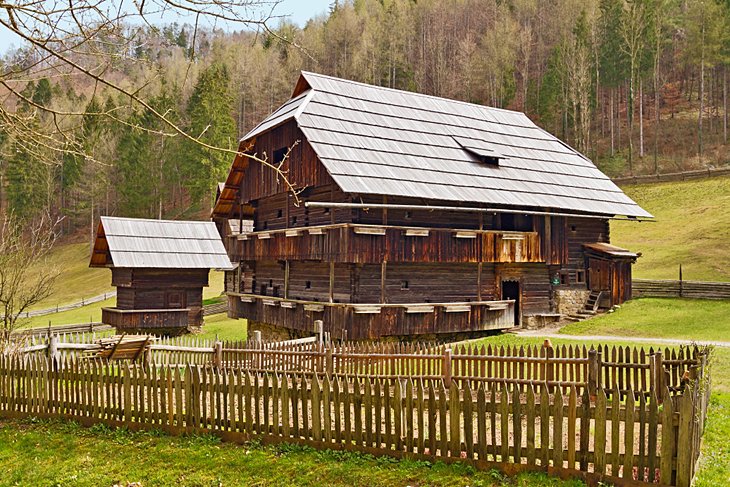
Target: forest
[[639, 86]]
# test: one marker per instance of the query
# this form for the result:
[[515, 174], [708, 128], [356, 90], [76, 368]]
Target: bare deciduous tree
[[89, 39], [27, 276]]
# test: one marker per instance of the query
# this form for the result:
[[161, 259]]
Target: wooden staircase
[[589, 310]]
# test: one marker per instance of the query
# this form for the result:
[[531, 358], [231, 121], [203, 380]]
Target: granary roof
[[136, 242], [381, 141]]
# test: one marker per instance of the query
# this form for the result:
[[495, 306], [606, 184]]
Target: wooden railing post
[[53, 348], [446, 367], [319, 330], [594, 372], [549, 365], [330, 361], [218, 354], [656, 373]]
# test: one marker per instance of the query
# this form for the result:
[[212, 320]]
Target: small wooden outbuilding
[[159, 268]]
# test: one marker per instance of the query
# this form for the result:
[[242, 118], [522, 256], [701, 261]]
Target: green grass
[[62, 453], [79, 315], [692, 229], [76, 281], [688, 319], [224, 328]]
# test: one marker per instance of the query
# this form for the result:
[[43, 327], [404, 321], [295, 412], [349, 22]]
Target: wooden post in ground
[[319, 330], [446, 367], [53, 348], [594, 372], [548, 353], [218, 354], [656, 373]]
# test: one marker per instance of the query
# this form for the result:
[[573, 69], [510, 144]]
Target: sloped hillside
[[692, 229]]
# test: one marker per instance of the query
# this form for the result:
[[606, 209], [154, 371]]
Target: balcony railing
[[375, 320], [354, 243]]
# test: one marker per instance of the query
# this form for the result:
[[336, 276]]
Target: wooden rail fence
[[680, 288], [626, 439], [605, 367]]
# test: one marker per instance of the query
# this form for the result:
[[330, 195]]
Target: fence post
[[319, 330], [594, 372], [446, 367], [330, 361], [218, 354], [656, 371], [53, 348], [548, 353]]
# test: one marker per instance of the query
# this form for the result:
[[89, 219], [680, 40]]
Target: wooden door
[[599, 274]]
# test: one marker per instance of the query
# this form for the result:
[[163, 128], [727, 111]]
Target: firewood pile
[[124, 347]]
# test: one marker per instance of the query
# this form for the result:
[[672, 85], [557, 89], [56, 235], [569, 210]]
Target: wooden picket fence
[[626, 438], [604, 367]]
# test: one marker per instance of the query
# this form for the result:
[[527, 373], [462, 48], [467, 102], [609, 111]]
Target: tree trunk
[[610, 119], [724, 103], [656, 120], [702, 95], [641, 118]]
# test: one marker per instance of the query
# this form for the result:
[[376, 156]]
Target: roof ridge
[[416, 93], [155, 220]]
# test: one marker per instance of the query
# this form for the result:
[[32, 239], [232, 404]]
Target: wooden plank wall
[[303, 167]]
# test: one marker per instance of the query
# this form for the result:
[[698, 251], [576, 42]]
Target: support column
[[332, 282], [383, 273]]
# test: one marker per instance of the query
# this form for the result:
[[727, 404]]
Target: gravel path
[[553, 332]]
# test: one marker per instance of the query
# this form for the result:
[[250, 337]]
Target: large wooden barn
[[159, 268], [415, 215]]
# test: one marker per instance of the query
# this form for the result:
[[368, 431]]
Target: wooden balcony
[[150, 320], [374, 320], [354, 243]]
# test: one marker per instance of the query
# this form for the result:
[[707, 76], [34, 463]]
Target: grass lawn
[[692, 229], [690, 319], [224, 328], [62, 453], [77, 281]]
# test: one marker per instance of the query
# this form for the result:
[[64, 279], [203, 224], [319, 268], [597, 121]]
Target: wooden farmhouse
[[415, 215], [159, 268]]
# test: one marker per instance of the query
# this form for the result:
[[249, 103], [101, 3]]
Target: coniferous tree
[[209, 117]]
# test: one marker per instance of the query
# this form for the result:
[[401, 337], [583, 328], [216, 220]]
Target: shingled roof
[[137, 243], [381, 141]]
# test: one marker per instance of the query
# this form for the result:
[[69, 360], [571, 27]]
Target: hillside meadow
[[692, 228]]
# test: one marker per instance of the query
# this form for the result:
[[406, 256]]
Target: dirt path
[[553, 332]]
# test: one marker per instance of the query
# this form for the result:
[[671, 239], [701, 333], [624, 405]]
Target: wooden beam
[[332, 283], [383, 274], [286, 279]]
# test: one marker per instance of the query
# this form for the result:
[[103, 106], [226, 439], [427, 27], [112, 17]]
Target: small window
[[279, 213], [408, 215], [266, 225], [572, 228], [404, 285], [326, 211], [580, 277], [307, 284], [564, 278], [276, 291], [262, 290], [271, 282], [279, 155], [294, 220]]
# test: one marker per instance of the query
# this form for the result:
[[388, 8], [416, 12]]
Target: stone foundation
[[570, 301], [534, 322]]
